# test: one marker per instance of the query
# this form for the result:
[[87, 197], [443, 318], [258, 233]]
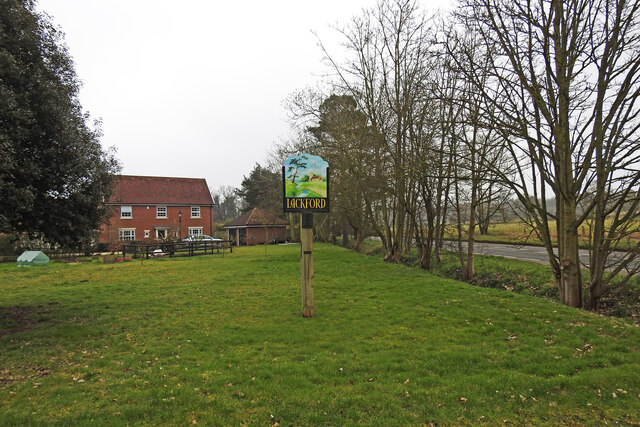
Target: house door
[[242, 235]]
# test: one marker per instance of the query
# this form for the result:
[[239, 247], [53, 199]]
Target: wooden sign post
[[305, 184], [306, 269]]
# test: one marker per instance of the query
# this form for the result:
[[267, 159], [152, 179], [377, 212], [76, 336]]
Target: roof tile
[[131, 189], [256, 216]]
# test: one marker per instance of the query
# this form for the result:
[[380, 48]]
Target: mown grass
[[220, 341]]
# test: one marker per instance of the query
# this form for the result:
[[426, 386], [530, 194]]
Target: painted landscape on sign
[[305, 176]]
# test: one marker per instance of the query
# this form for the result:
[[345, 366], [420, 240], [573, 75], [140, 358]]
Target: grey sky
[[195, 88]]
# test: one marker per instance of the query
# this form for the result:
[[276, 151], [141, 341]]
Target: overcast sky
[[195, 88]]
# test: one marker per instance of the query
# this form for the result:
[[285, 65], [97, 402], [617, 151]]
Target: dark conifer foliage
[[54, 175], [261, 189]]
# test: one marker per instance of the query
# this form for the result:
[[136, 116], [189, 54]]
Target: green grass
[[525, 277], [220, 341]]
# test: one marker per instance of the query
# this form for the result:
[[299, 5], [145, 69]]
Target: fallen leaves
[[586, 348], [578, 324]]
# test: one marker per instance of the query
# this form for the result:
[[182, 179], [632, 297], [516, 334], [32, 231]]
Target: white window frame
[[159, 210], [127, 234], [126, 212], [163, 230], [146, 234], [195, 231], [196, 209]]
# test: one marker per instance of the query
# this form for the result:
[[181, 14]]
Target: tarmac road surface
[[529, 253]]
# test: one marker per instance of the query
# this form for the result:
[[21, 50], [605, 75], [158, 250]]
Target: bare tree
[[333, 127], [225, 203], [386, 75], [562, 94], [474, 149]]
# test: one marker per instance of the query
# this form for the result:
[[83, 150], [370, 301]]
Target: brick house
[[149, 208], [256, 227]]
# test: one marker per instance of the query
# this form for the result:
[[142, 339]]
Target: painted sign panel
[[305, 183]]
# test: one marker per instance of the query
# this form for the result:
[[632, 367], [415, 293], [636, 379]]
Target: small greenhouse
[[31, 258]]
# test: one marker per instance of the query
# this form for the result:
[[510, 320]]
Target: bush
[[549, 290]]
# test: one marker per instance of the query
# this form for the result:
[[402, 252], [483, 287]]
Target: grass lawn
[[220, 341]]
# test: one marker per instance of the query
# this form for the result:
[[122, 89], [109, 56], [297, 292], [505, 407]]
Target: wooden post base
[[306, 237]]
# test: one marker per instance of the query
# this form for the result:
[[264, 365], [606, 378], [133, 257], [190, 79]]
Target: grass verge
[[221, 341], [525, 277]]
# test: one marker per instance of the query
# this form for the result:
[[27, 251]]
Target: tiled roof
[[161, 190], [256, 217]]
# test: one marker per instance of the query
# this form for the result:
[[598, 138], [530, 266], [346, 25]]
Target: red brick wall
[[260, 235], [144, 218]]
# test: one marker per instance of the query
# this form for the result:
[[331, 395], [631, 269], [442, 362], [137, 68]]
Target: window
[[195, 211], [161, 211], [146, 234], [125, 212], [127, 234], [161, 233], [195, 231]]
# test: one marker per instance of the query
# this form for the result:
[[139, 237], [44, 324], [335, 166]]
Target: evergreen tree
[[54, 175], [262, 189]]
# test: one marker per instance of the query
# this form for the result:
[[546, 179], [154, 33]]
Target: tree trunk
[[359, 238], [570, 283], [597, 286], [470, 270], [345, 236]]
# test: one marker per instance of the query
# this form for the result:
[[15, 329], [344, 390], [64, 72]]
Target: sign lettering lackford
[[305, 183]]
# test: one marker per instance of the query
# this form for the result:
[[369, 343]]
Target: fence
[[51, 253], [202, 247]]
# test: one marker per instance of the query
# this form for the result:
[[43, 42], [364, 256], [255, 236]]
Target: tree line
[[432, 122]]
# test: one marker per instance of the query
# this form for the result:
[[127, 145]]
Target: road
[[529, 253]]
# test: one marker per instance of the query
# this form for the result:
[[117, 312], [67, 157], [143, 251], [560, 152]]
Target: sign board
[[305, 184]]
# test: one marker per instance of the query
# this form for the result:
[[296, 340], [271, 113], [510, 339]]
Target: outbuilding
[[256, 227]]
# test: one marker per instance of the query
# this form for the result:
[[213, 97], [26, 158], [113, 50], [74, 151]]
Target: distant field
[[518, 232], [215, 340]]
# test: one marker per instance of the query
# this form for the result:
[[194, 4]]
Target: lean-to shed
[[256, 227]]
